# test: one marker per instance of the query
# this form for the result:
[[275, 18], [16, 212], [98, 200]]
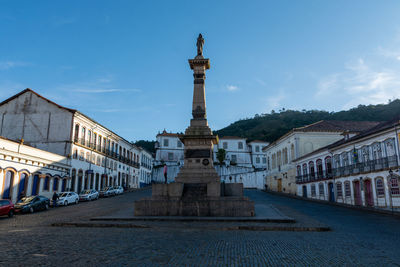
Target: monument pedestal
[[197, 190]]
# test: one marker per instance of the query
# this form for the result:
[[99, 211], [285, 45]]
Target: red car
[[6, 207]]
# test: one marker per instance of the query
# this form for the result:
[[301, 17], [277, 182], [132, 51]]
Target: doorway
[[369, 199], [304, 191], [279, 185], [357, 193], [331, 192]]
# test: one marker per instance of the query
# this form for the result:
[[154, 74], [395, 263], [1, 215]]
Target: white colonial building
[[244, 162], [98, 156], [25, 170], [362, 170], [281, 169], [146, 167]]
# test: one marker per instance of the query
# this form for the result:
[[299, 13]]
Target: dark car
[[31, 204], [6, 207]]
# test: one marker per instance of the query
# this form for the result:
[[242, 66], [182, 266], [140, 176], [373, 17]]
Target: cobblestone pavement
[[358, 238]]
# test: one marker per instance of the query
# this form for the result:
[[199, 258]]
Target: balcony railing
[[354, 169]]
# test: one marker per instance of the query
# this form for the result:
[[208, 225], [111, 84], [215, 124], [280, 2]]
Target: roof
[[33, 92], [332, 126], [232, 137], [338, 126], [164, 133], [62, 107], [378, 128], [258, 141]]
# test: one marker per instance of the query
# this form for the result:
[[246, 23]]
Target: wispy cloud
[[389, 53], [105, 90], [361, 83], [232, 88], [5, 65]]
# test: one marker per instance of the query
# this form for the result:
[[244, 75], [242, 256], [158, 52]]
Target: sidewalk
[[361, 208]]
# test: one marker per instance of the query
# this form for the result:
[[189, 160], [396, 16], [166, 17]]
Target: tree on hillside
[[221, 155]]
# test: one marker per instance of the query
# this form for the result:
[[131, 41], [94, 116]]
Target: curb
[[343, 205], [231, 228], [194, 219]]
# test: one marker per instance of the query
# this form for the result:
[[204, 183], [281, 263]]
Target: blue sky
[[124, 63]]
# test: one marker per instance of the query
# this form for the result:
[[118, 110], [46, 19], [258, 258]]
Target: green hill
[[269, 127]]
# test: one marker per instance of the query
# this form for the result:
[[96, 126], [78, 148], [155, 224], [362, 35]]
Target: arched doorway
[[357, 193], [97, 181], [73, 180], [304, 191], [8, 185], [35, 185], [331, 192], [23, 184], [369, 199], [63, 185], [80, 178]]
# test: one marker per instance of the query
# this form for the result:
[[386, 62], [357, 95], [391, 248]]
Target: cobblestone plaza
[[356, 238]]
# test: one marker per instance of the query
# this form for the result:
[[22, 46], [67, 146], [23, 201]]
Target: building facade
[[362, 170], [281, 154], [146, 167], [25, 170], [238, 165], [98, 156]]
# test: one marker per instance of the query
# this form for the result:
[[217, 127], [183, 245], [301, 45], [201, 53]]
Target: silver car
[[88, 195]]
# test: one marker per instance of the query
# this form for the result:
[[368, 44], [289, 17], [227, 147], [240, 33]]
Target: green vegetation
[[269, 127], [221, 155], [148, 145]]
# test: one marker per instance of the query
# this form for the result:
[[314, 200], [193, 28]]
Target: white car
[[87, 195], [66, 198], [118, 190], [107, 192]]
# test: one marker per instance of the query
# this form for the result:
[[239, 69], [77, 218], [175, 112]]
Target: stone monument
[[197, 190]]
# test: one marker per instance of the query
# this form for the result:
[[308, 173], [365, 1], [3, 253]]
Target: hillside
[[269, 127]]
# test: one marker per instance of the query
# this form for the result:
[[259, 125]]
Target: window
[[312, 169], [347, 191], [240, 145], [339, 190], [99, 145], [75, 154], [328, 165], [81, 155], [225, 145], [394, 186], [90, 137], [313, 190], [170, 156], [234, 158], [257, 160], [55, 184], [292, 152], [319, 168], [305, 169], [103, 162], [166, 142], [257, 148], [179, 143], [380, 188], [98, 161], [298, 170], [46, 183], [93, 159], [264, 160], [83, 135], [321, 189], [76, 137], [94, 140], [87, 156]]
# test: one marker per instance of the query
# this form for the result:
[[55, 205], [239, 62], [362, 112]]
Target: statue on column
[[200, 43]]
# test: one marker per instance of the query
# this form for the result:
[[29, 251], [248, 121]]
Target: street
[[357, 238]]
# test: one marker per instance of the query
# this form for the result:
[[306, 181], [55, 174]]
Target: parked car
[[107, 192], [6, 207], [32, 204], [87, 195], [66, 198], [118, 190]]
